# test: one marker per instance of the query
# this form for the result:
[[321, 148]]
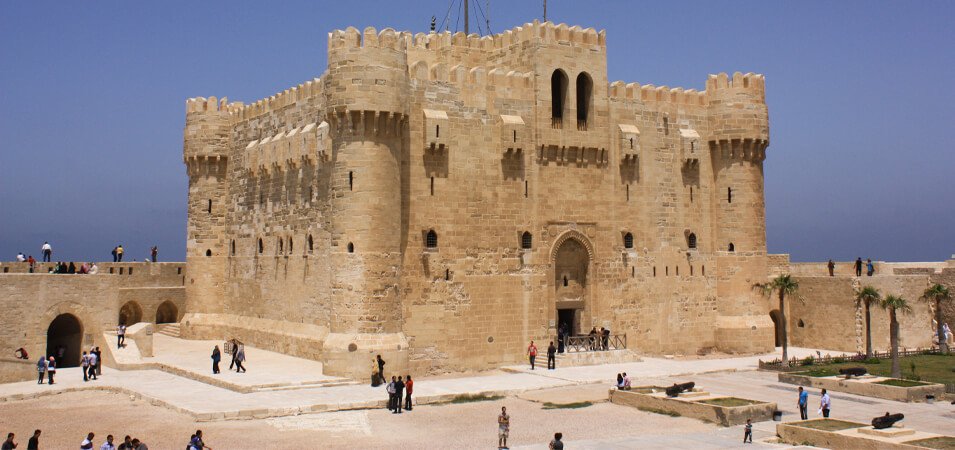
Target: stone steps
[[318, 384], [169, 329]]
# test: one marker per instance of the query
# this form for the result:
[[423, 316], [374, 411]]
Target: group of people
[[87, 268], [399, 392], [238, 357], [504, 430], [551, 355], [825, 404], [92, 364], [623, 381]]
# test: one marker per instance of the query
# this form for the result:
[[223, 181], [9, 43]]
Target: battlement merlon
[[738, 116], [206, 136], [718, 87]]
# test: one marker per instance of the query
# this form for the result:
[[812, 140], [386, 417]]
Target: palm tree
[[866, 297], [937, 293], [783, 285], [895, 304]]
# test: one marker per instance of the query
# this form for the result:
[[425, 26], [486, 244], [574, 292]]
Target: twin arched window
[[558, 96]]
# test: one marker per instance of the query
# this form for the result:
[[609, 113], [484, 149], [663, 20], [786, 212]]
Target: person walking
[[391, 394], [532, 353], [93, 360], [803, 403], [51, 369], [832, 268], [399, 394], [216, 357], [8, 444], [556, 444], [31, 263], [85, 365], [47, 251], [551, 356], [41, 369], [197, 442], [825, 404], [108, 445], [503, 428], [409, 387], [381, 368], [98, 362], [119, 253], [34, 442], [748, 432], [121, 335], [239, 359], [859, 266], [869, 268], [88, 442], [235, 350]]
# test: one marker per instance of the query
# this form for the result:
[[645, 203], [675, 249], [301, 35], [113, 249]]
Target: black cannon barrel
[[886, 421], [676, 389], [853, 371]]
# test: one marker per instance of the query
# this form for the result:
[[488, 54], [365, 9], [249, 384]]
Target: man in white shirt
[[85, 366], [93, 269], [120, 335], [93, 360], [47, 251], [87, 443], [20, 257], [108, 445], [825, 403]]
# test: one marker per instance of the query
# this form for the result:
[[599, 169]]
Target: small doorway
[[64, 339], [566, 317], [774, 314]]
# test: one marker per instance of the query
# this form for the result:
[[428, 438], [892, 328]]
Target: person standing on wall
[[154, 254], [119, 253], [532, 353], [113, 252], [803, 403], [825, 404], [47, 250], [32, 263], [859, 266], [832, 268], [551, 356], [869, 268]]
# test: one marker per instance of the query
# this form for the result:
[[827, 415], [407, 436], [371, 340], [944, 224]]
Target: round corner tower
[[206, 145], [366, 97]]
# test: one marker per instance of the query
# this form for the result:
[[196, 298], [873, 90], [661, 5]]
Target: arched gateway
[[571, 258], [64, 339]]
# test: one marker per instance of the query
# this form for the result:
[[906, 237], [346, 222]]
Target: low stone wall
[[868, 387], [799, 433], [12, 370], [691, 407]]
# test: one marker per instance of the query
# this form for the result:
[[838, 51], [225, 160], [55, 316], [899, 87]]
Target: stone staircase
[[168, 329], [592, 358]]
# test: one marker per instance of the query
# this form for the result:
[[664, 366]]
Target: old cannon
[[850, 372], [677, 389], [886, 421]]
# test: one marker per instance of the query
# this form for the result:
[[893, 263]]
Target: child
[[748, 433]]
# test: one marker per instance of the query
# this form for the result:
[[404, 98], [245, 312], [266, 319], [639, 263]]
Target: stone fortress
[[444, 199]]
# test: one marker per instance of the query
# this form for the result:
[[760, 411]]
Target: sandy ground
[[66, 418]]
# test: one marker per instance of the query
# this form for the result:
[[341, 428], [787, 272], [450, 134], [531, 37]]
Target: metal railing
[[587, 343], [795, 363]]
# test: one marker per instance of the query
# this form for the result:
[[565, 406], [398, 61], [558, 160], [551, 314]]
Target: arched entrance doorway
[[167, 313], [774, 314], [130, 313], [64, 339], [571, 264]]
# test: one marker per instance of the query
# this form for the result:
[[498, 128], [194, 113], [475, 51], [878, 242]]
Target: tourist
[[556, 444], [399, 393], [391, 394], [154, 254], [619, 381], [532, 353], [9, 444], [381, 368], [60, 352], [108, 445], [626, 382], [92, 367], [88, 442], [98, 362], [138, 445], [127, 444], [748, 432], [409, 386], [551, 356], [593, 338], [32, 263], [235, 348], [239, 359], [196, 442], [825, 404], [375, 376], [72, 268], [51, 369], [606, 338], [119, 253], [859, 266], [41, 369], [113, 252], [94, 269], [832, 268], [21, 257], [121, 335], [85, 365], [947, 333], [34, 442], [503, 428], [803, 403], [561, 333], [869, 268], [84, 268], [47, 250], [216, 357]]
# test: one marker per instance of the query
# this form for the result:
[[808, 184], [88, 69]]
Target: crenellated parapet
[[288, 150], [303, 92], [206, 137], [738, 118], [656, 94]]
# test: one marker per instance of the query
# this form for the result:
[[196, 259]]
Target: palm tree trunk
[[868, 332], [894, 342], [782, 325], [942, 339]]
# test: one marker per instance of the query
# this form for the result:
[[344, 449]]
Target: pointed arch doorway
[[571, 259]]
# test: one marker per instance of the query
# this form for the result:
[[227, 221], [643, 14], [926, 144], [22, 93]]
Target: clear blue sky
[[861, 100]]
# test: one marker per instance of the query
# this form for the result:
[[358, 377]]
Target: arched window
[[290, 249], [281, 245], [310, 244], [351, 248], [558, 95], [628, 240], [732, 247], [232, 248], [691, 240], [585, 87], [208, 253], [526, 240], [565, 280], [261, 246], [431, 241]]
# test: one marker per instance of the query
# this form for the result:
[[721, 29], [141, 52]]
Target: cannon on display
[[677, 389], [886, 421]]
